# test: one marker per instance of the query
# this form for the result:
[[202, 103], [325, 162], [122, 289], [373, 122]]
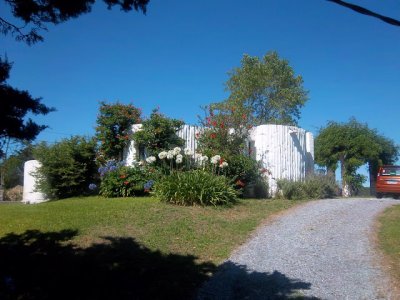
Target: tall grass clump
[[314, 187], [196, 187]]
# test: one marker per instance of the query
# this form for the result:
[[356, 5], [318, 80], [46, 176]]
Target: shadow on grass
[[45, 265], [238, 282]]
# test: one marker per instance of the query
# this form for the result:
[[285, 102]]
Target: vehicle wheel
[[379, 195]]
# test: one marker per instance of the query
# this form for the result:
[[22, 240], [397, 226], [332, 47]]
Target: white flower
[[179, 158], [150, 159], [215, 159], [187, 151], [204, 158], [223, 165], [177, 150], [170, 154], [162, 155], [141, 163], [197, 156]]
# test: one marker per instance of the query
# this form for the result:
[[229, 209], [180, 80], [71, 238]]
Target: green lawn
[[94, 248], [389, 239]]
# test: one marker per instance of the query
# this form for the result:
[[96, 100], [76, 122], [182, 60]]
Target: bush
[[291, 190], [14, 194], [122, 181], [314, 187], [195, 187], [247, 174], [320, 187], [258, 190], [114, 125], [158, 133], [68, 167], [243, 168]]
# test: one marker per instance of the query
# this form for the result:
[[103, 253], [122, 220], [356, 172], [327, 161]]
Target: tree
[[268, 89], [352, 144], [14, 107], [114, 125], [158, 133], [225, 130], [36, 15]]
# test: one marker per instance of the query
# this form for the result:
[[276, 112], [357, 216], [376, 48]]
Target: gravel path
[[322, 250]]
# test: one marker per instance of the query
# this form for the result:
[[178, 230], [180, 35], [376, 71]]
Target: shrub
[[314, 187], [158, 133], [14, 194], [114, 125], [243, 168], [321, 187], [247, 175], [123, 181], [68, 167], [258, 189], [196, 187], [291, 190], [225, 129]]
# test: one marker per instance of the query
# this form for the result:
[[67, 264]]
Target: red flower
[[244, 116], [126, 182], [222, 126], [240, 183], [197, 135], [214, 123], [213, 135], [122, 176], [208, 120], [221, 161]]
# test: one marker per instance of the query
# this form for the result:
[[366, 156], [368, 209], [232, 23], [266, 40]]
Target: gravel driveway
[[322, 250]]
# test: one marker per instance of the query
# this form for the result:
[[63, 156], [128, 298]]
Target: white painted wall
[[287, 152], [30, 195]]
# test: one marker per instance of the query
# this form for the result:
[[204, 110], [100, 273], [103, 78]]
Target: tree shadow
[[235, 281], [47, 265]]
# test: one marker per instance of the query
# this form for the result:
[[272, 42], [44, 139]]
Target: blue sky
[[178, 55]]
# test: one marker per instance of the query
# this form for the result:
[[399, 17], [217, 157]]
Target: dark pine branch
[[367, 12]]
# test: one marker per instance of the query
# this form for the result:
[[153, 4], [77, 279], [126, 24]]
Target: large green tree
[[268, 88], [352, 144], [34, 16]]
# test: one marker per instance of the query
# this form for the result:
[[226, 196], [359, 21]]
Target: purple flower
[[92, 186]]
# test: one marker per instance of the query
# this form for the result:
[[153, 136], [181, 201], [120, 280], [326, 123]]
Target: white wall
[[287, 152]]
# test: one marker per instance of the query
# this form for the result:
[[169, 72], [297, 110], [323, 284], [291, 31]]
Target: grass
[[127, 245], [389, 239]]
